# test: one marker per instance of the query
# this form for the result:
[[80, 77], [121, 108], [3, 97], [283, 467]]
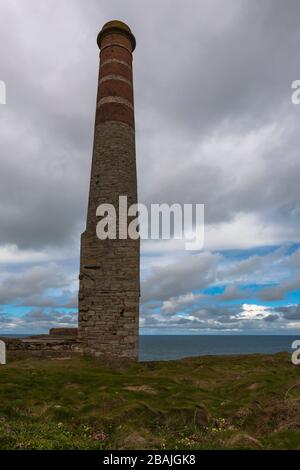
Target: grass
[[238, 402]]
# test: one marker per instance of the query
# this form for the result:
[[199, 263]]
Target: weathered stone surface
[[42, 346], [63, 332], [110, 269]]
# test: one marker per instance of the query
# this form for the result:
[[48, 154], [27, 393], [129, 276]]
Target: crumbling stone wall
[[41, 346], [63, 332]]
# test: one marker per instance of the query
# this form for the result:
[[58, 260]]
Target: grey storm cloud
[[291, 312], [194, 272], [280, 291], [197, 75], [215, 125], [175, 280], [220, 318], [4, 318], [31, 287], [37, 321], [213, 318], [39, 315]]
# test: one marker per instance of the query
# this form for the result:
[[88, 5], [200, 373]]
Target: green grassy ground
[[245, 402]]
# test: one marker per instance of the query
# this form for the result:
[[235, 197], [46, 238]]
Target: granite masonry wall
[[110, 269]]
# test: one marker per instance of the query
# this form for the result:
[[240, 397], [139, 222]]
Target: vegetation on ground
[[237, 402]]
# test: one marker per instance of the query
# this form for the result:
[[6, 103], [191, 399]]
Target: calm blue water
[[158, 348], [155, 348]]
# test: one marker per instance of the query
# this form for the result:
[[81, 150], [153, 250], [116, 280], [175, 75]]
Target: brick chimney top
[[116, 27]]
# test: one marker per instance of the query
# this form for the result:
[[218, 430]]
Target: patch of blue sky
[[66, 309], [14, 310], [212, 290], [247, 253]]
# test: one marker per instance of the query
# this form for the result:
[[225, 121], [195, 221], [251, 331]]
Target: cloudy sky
[[215, 125]]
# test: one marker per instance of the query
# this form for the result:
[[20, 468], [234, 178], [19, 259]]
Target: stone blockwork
[[42, 346], [64, 332], [110, 269]]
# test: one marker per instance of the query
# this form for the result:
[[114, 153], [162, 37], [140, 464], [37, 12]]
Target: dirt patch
[[141, 388], [138, 440], [245, 441], [253, 386], [195, 416]]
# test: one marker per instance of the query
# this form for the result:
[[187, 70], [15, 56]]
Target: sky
[[215, 125]]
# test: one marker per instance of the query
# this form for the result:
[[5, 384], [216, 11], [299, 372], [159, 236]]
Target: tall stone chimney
[[109, 269]]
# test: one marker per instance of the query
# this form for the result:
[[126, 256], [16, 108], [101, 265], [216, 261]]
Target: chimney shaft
[[109, 269]]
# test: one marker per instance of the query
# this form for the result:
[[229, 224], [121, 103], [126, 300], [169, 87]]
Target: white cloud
[[176, 303], [253, 312]]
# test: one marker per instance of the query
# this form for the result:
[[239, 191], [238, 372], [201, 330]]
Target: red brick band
[[107, 77], [114, 67], [116, 52], [115, 44], [114, 99], [117, 88], [115, 112], [109, 61]]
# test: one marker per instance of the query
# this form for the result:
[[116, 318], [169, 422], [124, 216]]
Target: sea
[[162, 348], [165, 348]]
